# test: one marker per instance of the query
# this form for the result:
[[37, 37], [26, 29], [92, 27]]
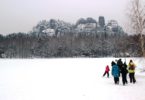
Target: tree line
[[22, 45]]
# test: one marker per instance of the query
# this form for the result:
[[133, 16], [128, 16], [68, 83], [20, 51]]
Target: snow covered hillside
[[66, 79]]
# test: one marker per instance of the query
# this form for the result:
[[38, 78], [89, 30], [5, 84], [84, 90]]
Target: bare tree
[[137, 18]]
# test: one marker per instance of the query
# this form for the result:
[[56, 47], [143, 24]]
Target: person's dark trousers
[[106, 73], [124, 79], [116, 80], [132, 77]]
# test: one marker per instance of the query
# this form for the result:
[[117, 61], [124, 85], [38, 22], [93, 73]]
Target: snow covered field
[[66, 79]]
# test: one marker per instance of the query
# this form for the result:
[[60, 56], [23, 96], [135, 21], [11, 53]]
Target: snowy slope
[[66, 79]]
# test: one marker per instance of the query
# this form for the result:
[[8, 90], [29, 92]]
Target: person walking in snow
[[124, 72], [115, 72], [107, 69], [131, 70], [120, 64]]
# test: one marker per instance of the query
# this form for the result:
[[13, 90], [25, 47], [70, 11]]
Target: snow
[[66, 79]]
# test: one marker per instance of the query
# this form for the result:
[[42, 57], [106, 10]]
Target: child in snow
[[107, 69], [131, 70], [115, 72]]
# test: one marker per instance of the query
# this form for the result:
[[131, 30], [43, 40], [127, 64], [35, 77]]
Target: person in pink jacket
[[107, 69]]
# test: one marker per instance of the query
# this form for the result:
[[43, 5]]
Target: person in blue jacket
[[115, 72]]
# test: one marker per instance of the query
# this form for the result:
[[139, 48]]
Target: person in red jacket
[[107, 69]]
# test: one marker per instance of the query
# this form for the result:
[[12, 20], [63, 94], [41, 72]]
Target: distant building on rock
[[101, 21], [113, 27]]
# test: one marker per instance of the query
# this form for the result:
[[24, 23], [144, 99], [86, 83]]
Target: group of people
[[121, 69]]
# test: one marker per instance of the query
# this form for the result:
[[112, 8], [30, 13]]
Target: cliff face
[[89, 26]]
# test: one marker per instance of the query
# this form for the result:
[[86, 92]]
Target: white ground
[[66, 79]]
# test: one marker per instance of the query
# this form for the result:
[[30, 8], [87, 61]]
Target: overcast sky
[[22, 15]]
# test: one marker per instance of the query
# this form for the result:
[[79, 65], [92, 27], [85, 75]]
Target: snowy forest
[[86, 38]]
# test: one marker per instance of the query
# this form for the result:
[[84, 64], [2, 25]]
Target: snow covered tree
[[137, 18]]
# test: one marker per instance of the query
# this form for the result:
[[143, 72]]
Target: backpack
[[132, 67]]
